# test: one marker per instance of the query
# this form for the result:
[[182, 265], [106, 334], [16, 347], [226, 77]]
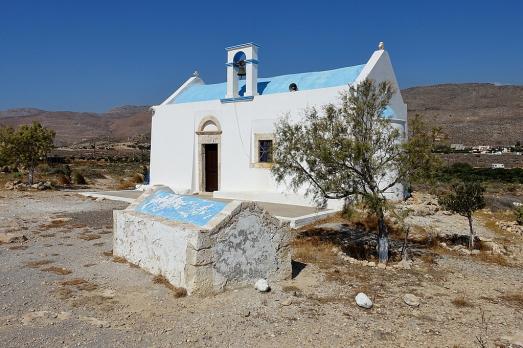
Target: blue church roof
[[277, 84]]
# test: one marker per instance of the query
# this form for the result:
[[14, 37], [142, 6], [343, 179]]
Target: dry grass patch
[[514, 299], [47, 235], [462, 302], [108, 253], [496, 259], [99, 244], [89, 236], [57, 270], [313, 250], [38, 263], [75, 281], [18, 247], [119, 259], [64, 293], [177, 292], [103, 303], [87, 286]]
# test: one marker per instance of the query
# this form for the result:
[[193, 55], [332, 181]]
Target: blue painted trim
[[241, 46], [237, 99], [247, 61]]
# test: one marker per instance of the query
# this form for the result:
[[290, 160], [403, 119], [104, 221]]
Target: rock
[[363, 300], [475, 252], [286, 302], [464, 251], [12, 237], [371, 264], [9, 186], [382, 265], [411, 300], [262, 285], [404, 264], [34, 186]]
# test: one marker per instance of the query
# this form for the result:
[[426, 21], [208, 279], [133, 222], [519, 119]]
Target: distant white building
[[218, 137], [497, 166]]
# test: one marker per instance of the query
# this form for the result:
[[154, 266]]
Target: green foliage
[[345, 150], [464, 198], [419, 162], [349, 149], [27, 145], [519, 215], [465, 172]]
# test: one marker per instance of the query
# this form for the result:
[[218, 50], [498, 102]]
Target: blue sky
[[93, 55]]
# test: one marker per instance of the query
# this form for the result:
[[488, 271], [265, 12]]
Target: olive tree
[[465, 198], [347, 150], [27, 145]]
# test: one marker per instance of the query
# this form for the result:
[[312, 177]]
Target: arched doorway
[[209, 143]]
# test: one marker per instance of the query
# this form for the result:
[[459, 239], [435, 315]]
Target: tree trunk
[[471, 237], [383, 238], [31, 172]]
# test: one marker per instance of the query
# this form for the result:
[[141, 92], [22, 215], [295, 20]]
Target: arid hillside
[[75, 127], [471, 114]]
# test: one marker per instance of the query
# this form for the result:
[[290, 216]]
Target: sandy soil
[[106, 303]]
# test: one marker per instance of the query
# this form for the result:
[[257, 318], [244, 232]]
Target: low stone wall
[[239, 245]]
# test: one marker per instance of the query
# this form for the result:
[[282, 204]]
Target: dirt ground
[[62, 287]]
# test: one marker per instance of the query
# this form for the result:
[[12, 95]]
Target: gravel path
[[106, 303]]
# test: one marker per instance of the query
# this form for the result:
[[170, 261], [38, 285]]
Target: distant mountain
[[74, 127], [472, 113]]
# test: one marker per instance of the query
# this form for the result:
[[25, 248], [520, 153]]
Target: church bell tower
[[242, 63]]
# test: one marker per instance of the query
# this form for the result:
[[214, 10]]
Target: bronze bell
[[241, 69]]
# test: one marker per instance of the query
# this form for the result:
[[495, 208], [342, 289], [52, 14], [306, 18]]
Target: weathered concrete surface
[[239, 245]]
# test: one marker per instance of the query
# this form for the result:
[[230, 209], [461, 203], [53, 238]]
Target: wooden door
[[211, 167]]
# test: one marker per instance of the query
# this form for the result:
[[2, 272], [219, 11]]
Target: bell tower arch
[[242, 62]]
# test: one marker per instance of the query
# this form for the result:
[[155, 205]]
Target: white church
[[217, 138]]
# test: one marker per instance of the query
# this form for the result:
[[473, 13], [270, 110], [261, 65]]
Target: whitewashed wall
[[174, 155]]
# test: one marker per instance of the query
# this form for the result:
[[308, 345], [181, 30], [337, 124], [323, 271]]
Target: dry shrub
[[62, 180], [313, 250], [47, 235], [119, 259], [90, 264], [98, 244], [177, 292], [133, 265], [89, 236], [57, 270], [137, 178], [461, 301], [514, 298], [79, 179], [125, 185], [108, 253], [496, 259], [36, 264], [87, 286], [75, 281]]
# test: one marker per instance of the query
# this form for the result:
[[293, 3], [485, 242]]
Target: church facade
[[217, 138]]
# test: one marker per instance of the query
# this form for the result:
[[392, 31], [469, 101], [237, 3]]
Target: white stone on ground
[[363, 300], [262, 285], [411, 300]]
